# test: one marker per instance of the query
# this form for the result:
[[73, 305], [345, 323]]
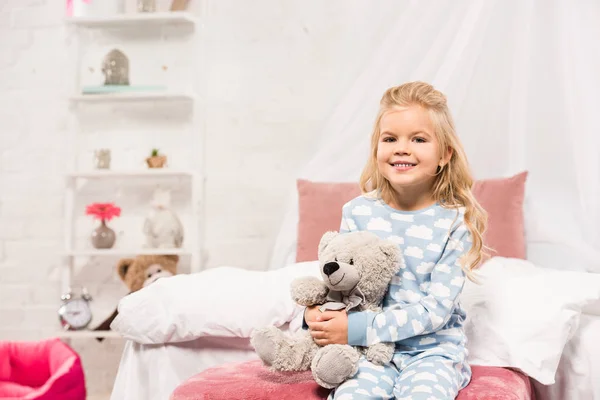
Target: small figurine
[[162, 227]]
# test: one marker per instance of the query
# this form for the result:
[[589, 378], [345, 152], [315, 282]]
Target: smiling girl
[[416, 191]]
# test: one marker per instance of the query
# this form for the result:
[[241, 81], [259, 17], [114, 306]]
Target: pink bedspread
[[252, 381], [45, 370]]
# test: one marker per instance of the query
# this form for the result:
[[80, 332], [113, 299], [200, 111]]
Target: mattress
[[152, 372]]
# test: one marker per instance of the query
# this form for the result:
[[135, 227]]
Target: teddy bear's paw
[[266, 342], [308, 291], [333, 364], [380, 353]]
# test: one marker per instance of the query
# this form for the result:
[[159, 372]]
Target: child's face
[[407, 152]]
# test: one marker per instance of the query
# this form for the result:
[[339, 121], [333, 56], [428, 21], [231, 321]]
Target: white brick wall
[[274, 71]]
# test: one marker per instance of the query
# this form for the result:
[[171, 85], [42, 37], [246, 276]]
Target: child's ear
[[446, 157]]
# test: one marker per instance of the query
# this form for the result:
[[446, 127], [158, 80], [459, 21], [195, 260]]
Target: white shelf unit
[[137, 20], [127, 252], [131, 97], [136, 23], [143, 173], [88, 334]]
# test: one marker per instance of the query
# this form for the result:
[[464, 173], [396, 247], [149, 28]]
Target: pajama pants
[[428, 377]]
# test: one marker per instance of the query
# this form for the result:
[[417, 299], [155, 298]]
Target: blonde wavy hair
[[453, 181]]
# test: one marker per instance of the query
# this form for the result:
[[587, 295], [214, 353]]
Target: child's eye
[[388, 139], [419, 140]]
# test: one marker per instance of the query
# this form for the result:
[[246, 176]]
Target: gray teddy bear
[[356, 268]]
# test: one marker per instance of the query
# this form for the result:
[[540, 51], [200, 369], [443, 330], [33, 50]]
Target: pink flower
[[103, 211]]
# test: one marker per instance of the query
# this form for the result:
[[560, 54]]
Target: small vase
[[103, 237]]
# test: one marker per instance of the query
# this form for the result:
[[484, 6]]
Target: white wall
[[274, 70]]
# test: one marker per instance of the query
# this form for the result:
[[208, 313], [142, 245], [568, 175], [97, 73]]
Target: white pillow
[[223, 301], [522, 315]]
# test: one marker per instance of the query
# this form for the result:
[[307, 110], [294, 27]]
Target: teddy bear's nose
[[330, 268]]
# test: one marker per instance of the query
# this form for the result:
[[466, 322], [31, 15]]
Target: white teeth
[[403, 165]]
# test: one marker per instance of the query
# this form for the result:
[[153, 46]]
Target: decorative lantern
[[115, 68]]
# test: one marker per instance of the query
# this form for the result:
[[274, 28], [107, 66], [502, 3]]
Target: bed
[[547, 334], [154, 371]]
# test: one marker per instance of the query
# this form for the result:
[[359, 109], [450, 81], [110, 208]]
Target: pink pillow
[[320, 210], [503, 199]]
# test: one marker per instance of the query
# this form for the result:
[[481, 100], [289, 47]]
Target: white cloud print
[[412, 251], [380, 320], [396, 239], [434, 247], [368, 376], [361, 210], [401, 317], [454, 245], [407, 295], [431, 212], [425, 268], [407, 375], [377, 391], [372, 334], [417, 327], [409, 276], [379, 224], [421, 389], [427, 340], [458, 281], [348, 224], [439, 290], [393, 333], [445, 268], [420, 232], [403, 217], [444, 223], [436, 320], [425, 376]]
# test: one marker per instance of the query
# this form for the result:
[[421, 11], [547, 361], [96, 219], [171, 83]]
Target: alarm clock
[[75, 312]]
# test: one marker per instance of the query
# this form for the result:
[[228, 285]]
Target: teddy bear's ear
[[123, 266], [326, 239], [389, 248], [172, 257]]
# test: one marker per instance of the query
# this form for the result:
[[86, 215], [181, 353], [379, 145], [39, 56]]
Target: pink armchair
[[45, 370]]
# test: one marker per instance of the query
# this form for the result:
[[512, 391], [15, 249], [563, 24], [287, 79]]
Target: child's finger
[[316, 326], [318, 334], [327, 315]]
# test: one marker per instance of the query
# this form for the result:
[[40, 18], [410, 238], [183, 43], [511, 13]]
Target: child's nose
[[401, 147]]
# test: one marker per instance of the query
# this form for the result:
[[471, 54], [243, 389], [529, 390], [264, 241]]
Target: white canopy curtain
[[522, 78]]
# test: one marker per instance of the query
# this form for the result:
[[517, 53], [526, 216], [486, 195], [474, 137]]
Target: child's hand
[[331, 327]]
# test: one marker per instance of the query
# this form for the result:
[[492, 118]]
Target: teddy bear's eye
[[351, 262], [335, 259]]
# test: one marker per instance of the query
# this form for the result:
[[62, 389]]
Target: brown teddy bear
[[140, 272]]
